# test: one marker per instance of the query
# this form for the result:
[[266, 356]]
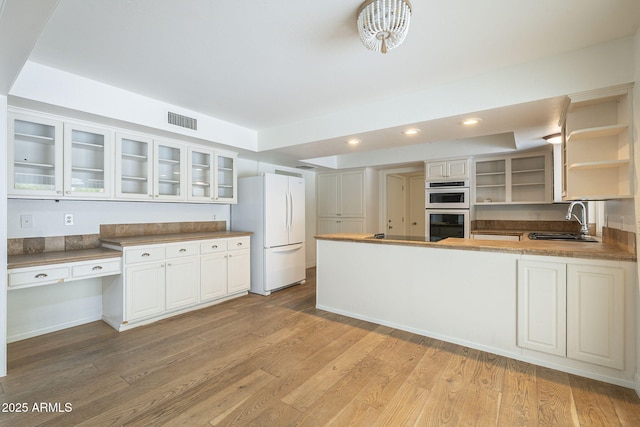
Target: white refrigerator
[[272, 207]]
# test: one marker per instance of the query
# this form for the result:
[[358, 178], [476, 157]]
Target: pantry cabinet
[[573, 310], [343, 199], [597, 147]]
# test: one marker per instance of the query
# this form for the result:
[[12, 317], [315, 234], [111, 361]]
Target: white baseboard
[[52, 328]]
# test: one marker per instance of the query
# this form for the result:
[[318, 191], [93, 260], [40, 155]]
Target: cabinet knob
[[97, 268], [59, 192], [41, 276], [68, 192]]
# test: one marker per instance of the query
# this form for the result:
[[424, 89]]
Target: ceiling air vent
[[182, 121]]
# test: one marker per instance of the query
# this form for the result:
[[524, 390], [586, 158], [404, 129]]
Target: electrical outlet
[[214, 217], [26, 221], [68, 219]]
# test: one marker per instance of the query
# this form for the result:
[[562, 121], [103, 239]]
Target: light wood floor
[[277, 361]]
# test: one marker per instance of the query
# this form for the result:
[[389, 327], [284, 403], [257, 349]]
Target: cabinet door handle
[[97, 268], [146, 254], [41, 276], [183, 250], [59, 192], [68, 192]]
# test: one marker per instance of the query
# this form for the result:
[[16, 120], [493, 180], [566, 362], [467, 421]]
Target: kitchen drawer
[[212, 246], [237, 243], [151, 253], [182, 250], [43, 276], [96, 268]]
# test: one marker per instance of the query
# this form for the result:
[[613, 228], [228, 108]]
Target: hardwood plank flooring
[[278, 361]]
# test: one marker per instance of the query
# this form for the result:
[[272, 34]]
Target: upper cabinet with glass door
[[35, 156], [88, 155], [134, 167], [170, 180], [226, 178], [200, 174]]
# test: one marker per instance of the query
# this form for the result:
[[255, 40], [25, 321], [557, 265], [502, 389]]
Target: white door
[[296, 209], [276, 210], [395, 205], [416, 206]]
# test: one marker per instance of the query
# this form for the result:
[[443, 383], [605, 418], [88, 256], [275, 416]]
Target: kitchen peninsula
[[525, 299]]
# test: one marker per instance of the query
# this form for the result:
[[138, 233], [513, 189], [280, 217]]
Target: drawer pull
[[214, 247], [97, 268], [146, 254], [41, 276], [239, 243], [183, 250]]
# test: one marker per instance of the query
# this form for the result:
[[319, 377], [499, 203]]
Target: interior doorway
[[402, 201]]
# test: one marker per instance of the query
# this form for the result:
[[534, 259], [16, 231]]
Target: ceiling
[[268, 63]]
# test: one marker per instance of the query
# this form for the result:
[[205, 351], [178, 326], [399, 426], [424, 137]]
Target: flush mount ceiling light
[[471, 121], [353, 141], [554, 138], [383, 24], [411, 132]]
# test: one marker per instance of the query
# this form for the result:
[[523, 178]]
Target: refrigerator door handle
[[286, 204], [291, 208], [288, 248]]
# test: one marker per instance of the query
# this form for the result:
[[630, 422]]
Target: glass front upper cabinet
[[226, 179], [134, 167], [200, 175], [36, 153], [169, 172], [87, 161]]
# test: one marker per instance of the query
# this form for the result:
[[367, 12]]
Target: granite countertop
[[589, 250], [152, 239], [60, 257]]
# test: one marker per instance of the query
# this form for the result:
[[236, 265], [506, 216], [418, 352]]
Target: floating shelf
[[598, 164], [596, 132]]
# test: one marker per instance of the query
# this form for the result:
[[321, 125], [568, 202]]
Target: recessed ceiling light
[[353, 141], [471, 121], [411, 132]]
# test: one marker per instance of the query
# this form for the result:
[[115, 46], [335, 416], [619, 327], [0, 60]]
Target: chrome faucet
[[584, 229]]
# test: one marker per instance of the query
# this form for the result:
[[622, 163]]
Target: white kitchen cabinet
[[342, 201], [52, 274], [169, 171], [341, 194], [597, 145], [513, 179], [162, 280], [225, 267], [55, 159], [200, 175], [88, 157], [226, 178], [145, 290], [134, 167], [542, 290], [447, 169], [572, 310], [595, 315], [340, 225]]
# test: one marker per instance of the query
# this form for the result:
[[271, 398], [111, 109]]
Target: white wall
[[3, 237], [636, 153], [48, 215], [252, 168]]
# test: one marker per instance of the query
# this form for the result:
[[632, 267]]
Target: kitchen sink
[[566, 237]]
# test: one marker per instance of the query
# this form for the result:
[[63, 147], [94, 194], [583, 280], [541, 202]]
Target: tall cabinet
[[342, 201], [597, 145]]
